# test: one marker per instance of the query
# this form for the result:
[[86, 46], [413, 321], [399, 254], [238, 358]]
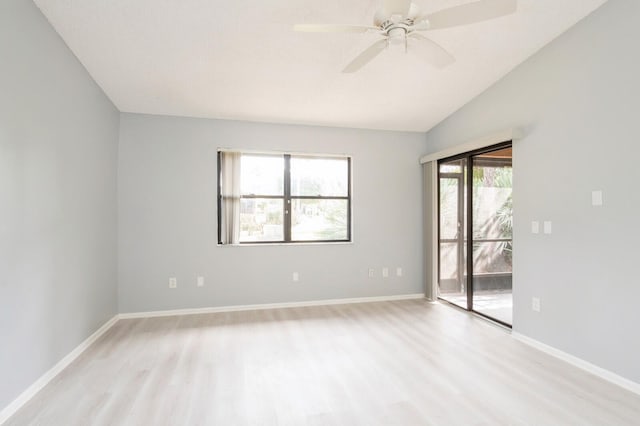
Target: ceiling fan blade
[[396, 7], [432, 52], [420, 26], [477, 11], [328, 28], [367, 56]]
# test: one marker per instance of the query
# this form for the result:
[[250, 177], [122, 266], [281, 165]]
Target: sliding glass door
[[475, 216], [492, 212]]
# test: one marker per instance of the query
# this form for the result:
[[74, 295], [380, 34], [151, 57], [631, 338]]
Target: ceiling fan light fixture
[[397, 36]]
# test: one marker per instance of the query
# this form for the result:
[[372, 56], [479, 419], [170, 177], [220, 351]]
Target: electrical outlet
[[398, 271], [200, 282], [385, 272], [173, 282], [535, 304], [372, 272], [296, 277]]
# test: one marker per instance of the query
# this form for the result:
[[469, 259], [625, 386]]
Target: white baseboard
[[29, 393], [234, 308], [580, 363]]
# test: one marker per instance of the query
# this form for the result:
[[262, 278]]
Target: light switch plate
[[596, 198], [547, 227], [296, 277], [535, 227]]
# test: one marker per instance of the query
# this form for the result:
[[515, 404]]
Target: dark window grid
[[286, 199]]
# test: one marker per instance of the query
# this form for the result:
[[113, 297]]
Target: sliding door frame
[[467, 173], [459, 240]]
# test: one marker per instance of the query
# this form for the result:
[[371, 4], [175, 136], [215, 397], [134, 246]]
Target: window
[[283, 198]]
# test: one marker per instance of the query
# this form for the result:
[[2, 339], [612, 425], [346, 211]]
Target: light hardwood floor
[[389, 363]]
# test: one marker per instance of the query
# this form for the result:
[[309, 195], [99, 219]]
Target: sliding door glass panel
[[452, 264], [492, 213]]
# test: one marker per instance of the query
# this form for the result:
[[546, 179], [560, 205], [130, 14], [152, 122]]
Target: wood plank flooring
[[389, 363]]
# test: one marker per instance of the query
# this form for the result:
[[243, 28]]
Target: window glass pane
[[451, 167], [492, 257], [319, 176], [450, 220], [493, 206], [449, 264], [314, 220], [262, 175], [261, 219]]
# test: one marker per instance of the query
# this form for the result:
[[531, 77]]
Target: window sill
[[319, 243]]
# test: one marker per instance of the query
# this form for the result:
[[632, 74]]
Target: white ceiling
[[239, 59]]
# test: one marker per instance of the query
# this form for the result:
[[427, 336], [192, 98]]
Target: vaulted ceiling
[[241, 60]]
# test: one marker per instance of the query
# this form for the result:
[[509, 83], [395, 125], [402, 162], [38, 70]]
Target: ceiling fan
[[401, 20]]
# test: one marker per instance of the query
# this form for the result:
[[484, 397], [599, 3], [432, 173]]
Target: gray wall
[[168, 226], [58, 149], [578, 100]]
